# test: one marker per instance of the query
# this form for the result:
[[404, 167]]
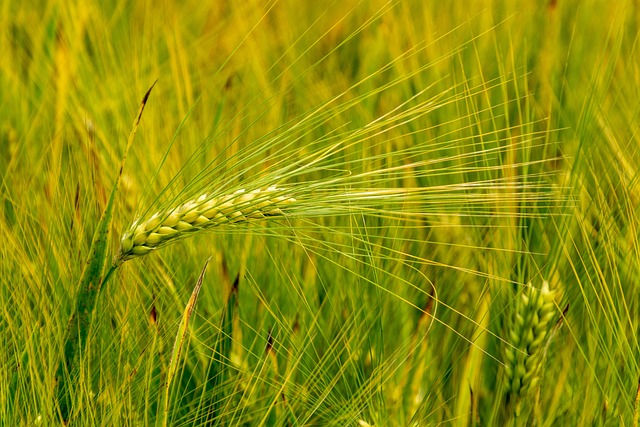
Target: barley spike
[[145, 236], [534, 310]]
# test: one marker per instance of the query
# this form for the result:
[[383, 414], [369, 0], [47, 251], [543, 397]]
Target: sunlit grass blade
[[181, 336], [218, 371]]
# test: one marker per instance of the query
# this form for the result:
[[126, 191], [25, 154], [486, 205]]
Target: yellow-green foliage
[[438, 152]]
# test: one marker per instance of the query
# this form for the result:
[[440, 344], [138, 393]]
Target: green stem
[[75, 339], [108, 275]]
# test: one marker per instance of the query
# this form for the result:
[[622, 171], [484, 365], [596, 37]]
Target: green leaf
[[88, 290]]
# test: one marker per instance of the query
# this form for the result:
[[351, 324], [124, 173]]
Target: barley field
[[334, 213]]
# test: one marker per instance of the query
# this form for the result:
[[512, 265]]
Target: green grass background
[[347, 319]]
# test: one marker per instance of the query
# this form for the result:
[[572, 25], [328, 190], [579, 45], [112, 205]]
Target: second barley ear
[[528, 333]]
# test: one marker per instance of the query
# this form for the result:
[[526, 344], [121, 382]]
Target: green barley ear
[[529, 331], [207, 211]]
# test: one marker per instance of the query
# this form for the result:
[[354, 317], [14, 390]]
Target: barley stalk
[[207, 211], [529, 332]]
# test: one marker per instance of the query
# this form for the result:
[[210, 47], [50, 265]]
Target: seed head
[[144, 236], [529, 331]]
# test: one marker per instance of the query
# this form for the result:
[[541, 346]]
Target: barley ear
[[529, 331], [207, 211]]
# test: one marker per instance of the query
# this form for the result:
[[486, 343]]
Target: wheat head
[[144, 236]]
